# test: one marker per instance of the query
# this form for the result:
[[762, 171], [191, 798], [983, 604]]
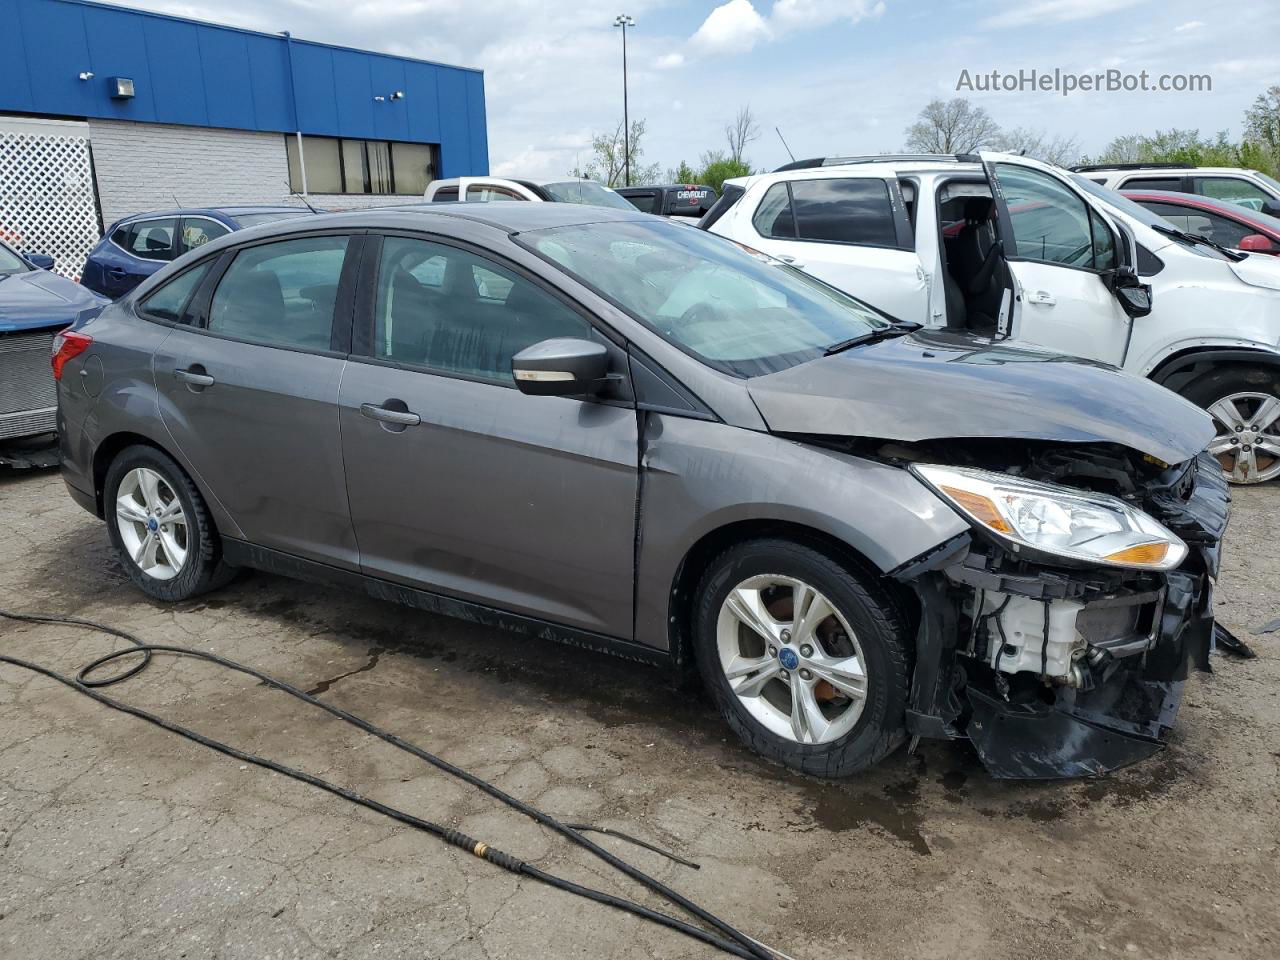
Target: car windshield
[[10, 262], [1269, 180], [586, 191], [1124, 205], [253, 219], [734, 308]]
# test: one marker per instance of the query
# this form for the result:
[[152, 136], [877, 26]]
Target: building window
[[361, 166]]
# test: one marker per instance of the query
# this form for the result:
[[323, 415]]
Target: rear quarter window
[[847, 210]]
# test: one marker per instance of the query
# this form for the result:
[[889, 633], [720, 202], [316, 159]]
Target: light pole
[[624, 21]]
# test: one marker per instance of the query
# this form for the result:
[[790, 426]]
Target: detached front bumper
[[1055, 673]]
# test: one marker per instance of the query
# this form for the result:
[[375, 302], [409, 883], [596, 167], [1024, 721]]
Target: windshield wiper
[[1194, 238], [899, 329]]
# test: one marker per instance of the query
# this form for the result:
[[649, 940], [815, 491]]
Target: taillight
[[66, 345]]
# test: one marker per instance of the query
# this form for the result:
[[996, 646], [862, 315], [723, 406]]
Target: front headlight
[[1057, 520]]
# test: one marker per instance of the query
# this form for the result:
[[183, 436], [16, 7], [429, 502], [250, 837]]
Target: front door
[[459, 483], [250, 396], [1060, 250]]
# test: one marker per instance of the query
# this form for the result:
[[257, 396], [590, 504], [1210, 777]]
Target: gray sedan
[[604, 428]]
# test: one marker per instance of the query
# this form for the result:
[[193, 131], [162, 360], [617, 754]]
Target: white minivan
[[1011, 248]]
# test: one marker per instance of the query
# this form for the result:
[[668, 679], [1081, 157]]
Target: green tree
[[1262, 132], [682, 174], [610, 152], [717, 168]]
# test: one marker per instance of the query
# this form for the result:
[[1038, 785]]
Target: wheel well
[[1176, 371], [107, 451], [700, 555]]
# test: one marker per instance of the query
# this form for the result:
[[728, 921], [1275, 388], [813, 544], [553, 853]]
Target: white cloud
[[670, 61], [1043, 12], [1189, 25], [805, 14], [733, 27]]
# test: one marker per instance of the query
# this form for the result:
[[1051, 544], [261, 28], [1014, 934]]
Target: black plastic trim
[[242, 554]]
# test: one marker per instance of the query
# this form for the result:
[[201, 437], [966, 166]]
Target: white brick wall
[[147, 166]]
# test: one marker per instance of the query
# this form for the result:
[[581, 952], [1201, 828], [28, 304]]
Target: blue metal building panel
[[200, 74]]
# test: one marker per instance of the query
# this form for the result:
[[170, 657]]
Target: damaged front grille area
[[1063, 671]]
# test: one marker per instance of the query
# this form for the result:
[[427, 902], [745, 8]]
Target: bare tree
[[740, 132], [951, 126], [608, 160], [1064, 151]]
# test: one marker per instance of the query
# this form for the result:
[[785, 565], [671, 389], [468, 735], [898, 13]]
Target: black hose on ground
[[733, 941]]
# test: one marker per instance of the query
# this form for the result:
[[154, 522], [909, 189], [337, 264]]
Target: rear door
[[249, 390], [459, 483], [852, 232], [137, 250], [1060, 250]]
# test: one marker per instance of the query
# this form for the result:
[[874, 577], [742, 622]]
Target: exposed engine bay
[[1054, 670]]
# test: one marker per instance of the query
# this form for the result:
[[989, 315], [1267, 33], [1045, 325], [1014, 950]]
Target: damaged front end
[[1058, 668]]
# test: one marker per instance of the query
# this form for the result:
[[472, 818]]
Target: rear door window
[[1153, 183], [1233, 190], [644, 202], [154, 239], [281, 294], [847, 210]]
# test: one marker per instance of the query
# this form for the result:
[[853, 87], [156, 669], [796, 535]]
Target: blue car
[[138, 246], [35, 305]]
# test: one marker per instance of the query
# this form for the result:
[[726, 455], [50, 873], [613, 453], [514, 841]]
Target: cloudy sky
[[836, 76]]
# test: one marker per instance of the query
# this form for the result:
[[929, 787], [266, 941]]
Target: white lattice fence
[[47, 201]]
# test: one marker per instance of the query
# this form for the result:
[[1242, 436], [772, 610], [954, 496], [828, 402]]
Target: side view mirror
[[561, 367], [1258, 243], [1133, 294], [41, 260]]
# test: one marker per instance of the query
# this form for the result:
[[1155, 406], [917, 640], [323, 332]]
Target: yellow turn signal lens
[[980, 508], [1144, 555]]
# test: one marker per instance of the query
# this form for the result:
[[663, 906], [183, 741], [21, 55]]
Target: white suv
[[1010, 248], [1248, 188]]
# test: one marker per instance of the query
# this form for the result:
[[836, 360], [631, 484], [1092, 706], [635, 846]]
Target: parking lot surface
[[118, 840]]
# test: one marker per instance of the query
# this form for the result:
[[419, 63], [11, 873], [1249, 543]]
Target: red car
[[1226, 223]]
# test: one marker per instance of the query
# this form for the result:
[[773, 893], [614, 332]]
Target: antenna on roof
[[298, 196], [784, 144], [175, 201]]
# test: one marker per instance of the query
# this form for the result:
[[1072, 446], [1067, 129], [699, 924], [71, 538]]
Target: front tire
[[160, 526], [807, 662], [1245, 405]]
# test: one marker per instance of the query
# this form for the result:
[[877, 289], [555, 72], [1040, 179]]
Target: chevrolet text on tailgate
[[610, 429]]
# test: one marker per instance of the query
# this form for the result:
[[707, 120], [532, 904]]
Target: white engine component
[[1023, 641]]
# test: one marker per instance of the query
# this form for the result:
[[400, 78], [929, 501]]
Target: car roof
[[1157, 170], [231, 211], [508, 217]]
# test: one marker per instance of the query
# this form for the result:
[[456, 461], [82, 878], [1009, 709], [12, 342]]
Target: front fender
[[699, 476]]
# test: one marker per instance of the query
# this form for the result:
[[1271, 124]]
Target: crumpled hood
[[933, 385], [38, 299]]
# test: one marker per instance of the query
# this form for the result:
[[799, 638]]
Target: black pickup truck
[[670, 200]]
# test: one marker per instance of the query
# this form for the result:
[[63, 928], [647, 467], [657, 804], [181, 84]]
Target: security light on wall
[[121, 88], [86, 74], [397, 95]]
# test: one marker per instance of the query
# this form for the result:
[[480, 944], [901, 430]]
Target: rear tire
[[827, 695], [1245, 405], [160, 527]]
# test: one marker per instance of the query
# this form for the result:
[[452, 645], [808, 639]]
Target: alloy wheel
[[152, 523], [791, 659], [1248, 439]]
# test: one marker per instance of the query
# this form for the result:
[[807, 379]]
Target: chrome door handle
[[791, 261], [194, 377], [1042, 296], [404, 418]]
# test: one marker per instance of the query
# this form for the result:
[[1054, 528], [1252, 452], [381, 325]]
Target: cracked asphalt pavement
[[118, 840]]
